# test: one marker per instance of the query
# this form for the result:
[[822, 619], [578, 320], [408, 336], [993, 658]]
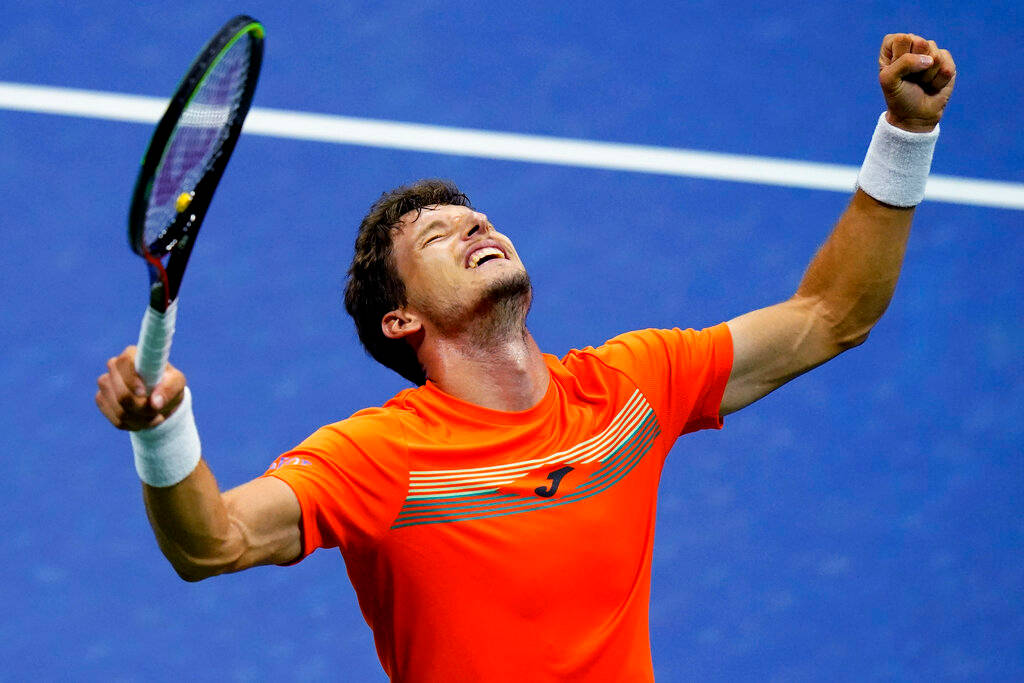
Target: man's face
[[456, 266]]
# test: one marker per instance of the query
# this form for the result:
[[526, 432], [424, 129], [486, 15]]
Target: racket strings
[[198, 137]]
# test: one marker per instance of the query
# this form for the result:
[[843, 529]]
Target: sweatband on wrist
[[896, 166], [167, 453]]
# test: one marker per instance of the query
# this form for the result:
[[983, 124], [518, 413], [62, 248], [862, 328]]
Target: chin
[[499, 308], [510, 286], [508, 300]]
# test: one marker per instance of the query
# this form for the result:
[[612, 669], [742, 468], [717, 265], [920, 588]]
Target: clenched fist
[[123, 399], [917, 79]]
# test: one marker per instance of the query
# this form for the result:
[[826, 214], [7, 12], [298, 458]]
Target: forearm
[[184, 503], [204, 532], [192, 524], [201, 530], [851, 279], [853, 276]]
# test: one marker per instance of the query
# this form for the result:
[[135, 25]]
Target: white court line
[[511, 146]]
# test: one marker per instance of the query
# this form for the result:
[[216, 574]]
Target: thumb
[[907, 64], [169, 392], [157, 399]]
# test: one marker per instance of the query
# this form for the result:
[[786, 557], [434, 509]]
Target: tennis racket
[[181, 168]]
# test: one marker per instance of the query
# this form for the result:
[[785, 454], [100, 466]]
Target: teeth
[[481, 253]]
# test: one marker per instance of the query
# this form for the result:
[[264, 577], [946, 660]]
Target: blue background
[[863, 523]]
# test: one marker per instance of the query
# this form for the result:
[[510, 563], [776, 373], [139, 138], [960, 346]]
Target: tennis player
[[497, 520]]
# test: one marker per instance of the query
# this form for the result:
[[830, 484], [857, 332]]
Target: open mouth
[[483, 255]]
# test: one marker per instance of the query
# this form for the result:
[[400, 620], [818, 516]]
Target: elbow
[[843, 328], [194, 568], [190, 579], [193, 572], [849, 341], [190, 575]]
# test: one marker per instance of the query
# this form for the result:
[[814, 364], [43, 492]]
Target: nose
[[475, 225]]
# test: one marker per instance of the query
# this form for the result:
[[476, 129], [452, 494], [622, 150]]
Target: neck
[[506, 373]]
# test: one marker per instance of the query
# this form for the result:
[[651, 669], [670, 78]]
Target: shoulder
[[377, 419], [639, 349], [366, 420], [681, 372], [371, 431]]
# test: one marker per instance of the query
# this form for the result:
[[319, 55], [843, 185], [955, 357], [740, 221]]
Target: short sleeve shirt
[[488, 545]]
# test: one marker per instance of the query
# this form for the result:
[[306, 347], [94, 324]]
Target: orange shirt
[[493, 546]]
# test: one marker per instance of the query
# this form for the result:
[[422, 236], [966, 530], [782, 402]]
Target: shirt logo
[[556, 479], [551, 481], [286, 461]]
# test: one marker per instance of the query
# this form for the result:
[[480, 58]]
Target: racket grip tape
[[155, 344]]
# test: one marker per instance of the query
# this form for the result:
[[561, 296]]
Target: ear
[[399, 323]]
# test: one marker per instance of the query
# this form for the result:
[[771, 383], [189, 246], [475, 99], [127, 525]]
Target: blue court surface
[[862, 523]]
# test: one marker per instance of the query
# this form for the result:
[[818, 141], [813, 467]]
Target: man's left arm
[[851, 279]]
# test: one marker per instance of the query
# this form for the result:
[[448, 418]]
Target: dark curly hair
[[373, 286]]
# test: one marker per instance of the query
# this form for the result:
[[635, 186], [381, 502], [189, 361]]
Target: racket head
[[190, 149]]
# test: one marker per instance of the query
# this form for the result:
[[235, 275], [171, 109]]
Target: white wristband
[[896, 167], [167, 453]]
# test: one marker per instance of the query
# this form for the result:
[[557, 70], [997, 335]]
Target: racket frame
[[179, 236]]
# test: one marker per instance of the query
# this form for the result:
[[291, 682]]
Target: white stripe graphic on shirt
[[480, 480]]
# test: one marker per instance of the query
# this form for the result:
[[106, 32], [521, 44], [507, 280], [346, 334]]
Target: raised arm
[[851, 279], [200, 530]]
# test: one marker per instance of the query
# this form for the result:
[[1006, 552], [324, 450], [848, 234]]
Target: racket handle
[[155, 344]]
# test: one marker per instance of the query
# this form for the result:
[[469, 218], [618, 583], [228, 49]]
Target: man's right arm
[[200, 530], [204, 532]]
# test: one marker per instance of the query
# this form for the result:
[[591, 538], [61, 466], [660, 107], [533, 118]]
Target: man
[[497, 521]]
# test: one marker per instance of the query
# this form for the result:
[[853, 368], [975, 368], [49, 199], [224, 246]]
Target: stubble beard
[[510, 299], [499, 314]]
